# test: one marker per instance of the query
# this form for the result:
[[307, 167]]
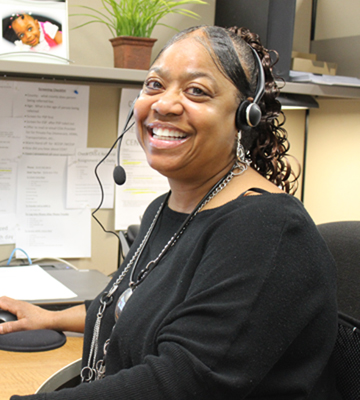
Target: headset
[[119, 173], [248, 114]]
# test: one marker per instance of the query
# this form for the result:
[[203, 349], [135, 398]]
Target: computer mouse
[[6, 316]]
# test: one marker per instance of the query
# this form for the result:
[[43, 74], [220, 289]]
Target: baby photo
[[33, 32], [39, 28]]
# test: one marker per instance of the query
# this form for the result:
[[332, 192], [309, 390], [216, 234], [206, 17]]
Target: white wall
[[337, 19], [332, 189], [337, 35], [295, 127]]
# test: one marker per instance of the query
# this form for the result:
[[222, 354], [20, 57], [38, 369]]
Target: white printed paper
[[11, 138], [41, 119], [55, 117], [8, 228], [10, 152], [31, 283], [48, 228], [143, 184], [83, 188], [6, 98], [8, 187]]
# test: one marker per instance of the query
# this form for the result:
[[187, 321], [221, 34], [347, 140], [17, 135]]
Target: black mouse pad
[[31, 341]]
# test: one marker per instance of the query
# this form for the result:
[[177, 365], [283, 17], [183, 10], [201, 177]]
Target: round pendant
[[124, 297]]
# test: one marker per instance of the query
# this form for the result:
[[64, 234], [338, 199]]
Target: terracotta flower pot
[[132, 52]]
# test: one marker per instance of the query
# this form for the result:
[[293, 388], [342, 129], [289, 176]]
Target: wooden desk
[[23, 373]]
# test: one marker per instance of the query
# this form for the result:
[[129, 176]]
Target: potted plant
[[131, 23]]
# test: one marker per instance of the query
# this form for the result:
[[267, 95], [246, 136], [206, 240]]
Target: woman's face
[[27, 30], [185, 116]]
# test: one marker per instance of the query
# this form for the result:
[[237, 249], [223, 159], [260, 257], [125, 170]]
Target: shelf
[[131, 77], [73, 73], [345, 92]]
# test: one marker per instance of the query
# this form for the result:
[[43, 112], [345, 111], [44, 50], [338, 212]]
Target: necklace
[[95, 370]]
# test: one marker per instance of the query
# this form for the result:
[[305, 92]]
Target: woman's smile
[[165, 137], [185, 116], [167, 134]]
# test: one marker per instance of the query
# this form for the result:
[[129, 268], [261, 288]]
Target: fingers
[[12, 306], [9, 304], [28, 316], [16, 307], [12, 326]]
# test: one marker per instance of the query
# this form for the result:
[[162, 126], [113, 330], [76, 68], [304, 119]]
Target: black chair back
[[346, 358], [343, 240]]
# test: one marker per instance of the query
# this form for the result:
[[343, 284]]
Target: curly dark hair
[[266, 145]]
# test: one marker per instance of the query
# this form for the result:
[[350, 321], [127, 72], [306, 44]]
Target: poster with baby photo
[[34, 31]]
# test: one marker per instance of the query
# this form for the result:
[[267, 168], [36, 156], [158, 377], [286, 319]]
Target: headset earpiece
[[248, 114]]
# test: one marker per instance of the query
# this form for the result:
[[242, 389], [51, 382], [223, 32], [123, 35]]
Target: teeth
[[168, 134]]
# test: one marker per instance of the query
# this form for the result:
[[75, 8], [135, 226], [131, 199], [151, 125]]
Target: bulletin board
[[52, 136], [41, 126]]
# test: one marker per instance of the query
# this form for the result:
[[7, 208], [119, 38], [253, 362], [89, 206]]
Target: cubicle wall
[[332, 189]]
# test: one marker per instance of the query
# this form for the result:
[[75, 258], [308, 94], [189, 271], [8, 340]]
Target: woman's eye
[[195, 91], [30, 29], [155, 85]]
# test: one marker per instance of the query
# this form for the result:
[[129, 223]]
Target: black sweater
[[242, 307]]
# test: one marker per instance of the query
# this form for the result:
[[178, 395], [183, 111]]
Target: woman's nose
[[168, 103]]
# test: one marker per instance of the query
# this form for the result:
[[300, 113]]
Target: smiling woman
[[185, 116], [228, 291]]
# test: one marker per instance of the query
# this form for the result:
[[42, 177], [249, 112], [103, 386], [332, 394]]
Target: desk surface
[[23, 373]]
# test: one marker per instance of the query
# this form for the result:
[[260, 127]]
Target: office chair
[[346, 358], [127, 237], [131, 233], [66, 377], [343, 240]]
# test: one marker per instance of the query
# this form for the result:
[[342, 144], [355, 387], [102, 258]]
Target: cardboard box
[[315, 67], [308, 56]]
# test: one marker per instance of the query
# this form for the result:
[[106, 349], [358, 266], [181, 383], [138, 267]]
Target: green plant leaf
[[136, 17]]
